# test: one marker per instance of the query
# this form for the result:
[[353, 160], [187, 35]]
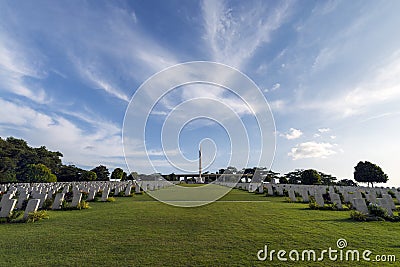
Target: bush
[[378, 211], [37, 216], [47, 204], [110, 199], [313, 204], [83, 205], [64, 205], [358, 216]]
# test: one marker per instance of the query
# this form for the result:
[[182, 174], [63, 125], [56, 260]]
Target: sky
[[329, 70]]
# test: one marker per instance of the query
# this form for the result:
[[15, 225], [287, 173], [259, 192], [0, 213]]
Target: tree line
[[21, 163], [24, 164]]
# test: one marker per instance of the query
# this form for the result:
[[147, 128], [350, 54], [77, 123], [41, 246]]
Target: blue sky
[[330, 71]]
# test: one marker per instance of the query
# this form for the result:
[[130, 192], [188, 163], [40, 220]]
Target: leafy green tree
[[89, 176], [283, 180], [102, 173], [117, 174], [346, 182], [294, 177], [367, 172], [327, 179], [69, 173], [37, 173], [310, 177], [270, 175]]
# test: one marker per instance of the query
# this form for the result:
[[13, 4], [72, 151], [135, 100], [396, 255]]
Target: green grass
[[138, 231]]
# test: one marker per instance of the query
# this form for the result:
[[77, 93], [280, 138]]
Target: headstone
[[137, 189], [279, 190], [76, 199], [92, 194], [304, 195], [42, 197], [4, 199], [389, 200], [359, 204], [104, 195], [357, 194], [371, 197], [58, 200], [397, 195], [7, 207], [117, 190], [319, 200], [292, 195], [22, 197], [260, 189], [270, 191], [384, 203], [128, 190], [335, 198], [32, 206]]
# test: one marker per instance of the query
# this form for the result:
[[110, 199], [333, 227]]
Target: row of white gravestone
[[14, 195], [8, 205], [352, 195]]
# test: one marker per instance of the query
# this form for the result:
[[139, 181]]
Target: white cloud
[[79, 146], [323, 130], [312, 150], [276, 86], [292, 134]]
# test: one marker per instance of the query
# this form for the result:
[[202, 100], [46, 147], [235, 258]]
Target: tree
[[37, 173], [117, 174], [367, 172], [346, 182], [283, 180], [89, 176], [70, 173], [327, 179], [294, 177], [101, 172], [271, 176], [310, 177]]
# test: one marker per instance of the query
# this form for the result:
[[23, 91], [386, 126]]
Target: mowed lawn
[[137, 231]]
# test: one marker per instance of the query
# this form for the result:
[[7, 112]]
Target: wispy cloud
[[18, 62], [234, 35]]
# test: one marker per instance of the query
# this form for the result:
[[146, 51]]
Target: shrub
[[358, 216], [121, 194], [110, 199], [313, 204], [64, 205], [37, 216], [47, 203], [85, 195], [83, 205], [378, 211]]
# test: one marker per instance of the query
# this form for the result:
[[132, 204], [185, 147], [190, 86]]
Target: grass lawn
[[140, 232]]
